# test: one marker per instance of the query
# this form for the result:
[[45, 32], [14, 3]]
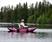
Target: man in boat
[[22, 24]]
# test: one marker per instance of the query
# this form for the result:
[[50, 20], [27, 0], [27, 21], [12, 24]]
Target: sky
[[15, 2]]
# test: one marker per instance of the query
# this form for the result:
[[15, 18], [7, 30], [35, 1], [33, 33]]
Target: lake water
[[39, 35]]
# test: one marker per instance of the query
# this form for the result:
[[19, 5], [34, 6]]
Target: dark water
[[25, 37]]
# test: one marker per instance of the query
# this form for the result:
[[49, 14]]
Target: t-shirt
[[22, 23]]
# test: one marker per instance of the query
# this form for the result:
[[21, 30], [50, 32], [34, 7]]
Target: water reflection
[[25, 37]]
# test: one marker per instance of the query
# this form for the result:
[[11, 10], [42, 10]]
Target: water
[[38, 36]]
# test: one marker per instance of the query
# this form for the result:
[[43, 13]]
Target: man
[[22, 24]]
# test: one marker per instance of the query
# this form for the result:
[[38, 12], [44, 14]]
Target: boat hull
[[21, 29]]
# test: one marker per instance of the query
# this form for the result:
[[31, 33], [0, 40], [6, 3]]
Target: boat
[[12, 29], [29, 29]]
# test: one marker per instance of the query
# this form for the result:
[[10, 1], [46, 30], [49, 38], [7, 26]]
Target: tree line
[[40, 13]]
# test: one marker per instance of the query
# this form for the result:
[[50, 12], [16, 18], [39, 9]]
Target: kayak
[[21, 29]]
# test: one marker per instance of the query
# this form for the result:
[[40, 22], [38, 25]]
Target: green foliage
[[41, 13], [31, 19]]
